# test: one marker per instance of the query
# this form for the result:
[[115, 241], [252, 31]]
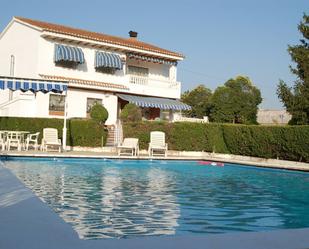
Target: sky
[[220, 39]]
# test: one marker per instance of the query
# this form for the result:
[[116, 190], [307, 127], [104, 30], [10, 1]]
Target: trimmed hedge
[[179, 136], [283, 142], [80, 132]]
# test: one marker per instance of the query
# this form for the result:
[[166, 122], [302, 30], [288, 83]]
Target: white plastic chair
[[14, 140], [50, 139], [2, 140], [32, 139], [157, 145], [129, 146]]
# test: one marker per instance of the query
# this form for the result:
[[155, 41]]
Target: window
[[107, 70], [12, 65], [67, 64], [139, 71], [91, 102], [56, 104]]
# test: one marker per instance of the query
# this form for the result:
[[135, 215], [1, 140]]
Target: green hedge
[[80, 132], [180, 136], [283, 142]]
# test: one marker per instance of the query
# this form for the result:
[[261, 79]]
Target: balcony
[[164, 83], [154, 86]]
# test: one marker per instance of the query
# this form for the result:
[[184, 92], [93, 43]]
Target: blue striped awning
[[68, 53], [32, 85], [151, 59], [162, 103], [111, 60]]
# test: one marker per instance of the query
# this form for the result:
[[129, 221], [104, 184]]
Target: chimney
[[133, 34]]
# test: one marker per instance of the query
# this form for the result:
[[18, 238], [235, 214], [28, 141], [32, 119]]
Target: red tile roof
[[128, 42], [84, 82]]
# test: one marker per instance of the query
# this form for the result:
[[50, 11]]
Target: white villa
[[44, 65]]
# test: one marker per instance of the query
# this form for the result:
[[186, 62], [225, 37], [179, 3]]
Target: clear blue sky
[[220, 39]]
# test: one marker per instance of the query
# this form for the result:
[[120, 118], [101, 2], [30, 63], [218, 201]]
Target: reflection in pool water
[[118, 199]]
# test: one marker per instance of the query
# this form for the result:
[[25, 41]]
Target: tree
[[296, 98], [199, 100], [99, 113], [236, 102], [131, 113]]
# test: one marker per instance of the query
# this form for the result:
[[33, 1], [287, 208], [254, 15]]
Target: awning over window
[[162, 103], [111, 60], [32, 85], [68, 53], [151, 59]]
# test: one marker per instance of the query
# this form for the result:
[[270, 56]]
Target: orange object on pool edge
[[211, 163]]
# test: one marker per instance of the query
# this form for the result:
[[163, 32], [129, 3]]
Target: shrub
[[131, 113], [283, 142], [99, 113], [179, 136], [87, 133], [80, 132]]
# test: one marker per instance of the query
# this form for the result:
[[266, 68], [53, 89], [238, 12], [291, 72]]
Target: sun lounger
[[157, 145], [50, 139], [129, 146]]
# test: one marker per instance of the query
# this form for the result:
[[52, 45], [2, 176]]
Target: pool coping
[[27, 222], [173, 155]]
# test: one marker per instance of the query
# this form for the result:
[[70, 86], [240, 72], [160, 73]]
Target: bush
[[99, 113], [283, 142], [179, 136], [131, 113], [80, 132], [87, 133]]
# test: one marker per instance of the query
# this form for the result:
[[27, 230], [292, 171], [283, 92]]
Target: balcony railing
[[162, 83], [139, 80]]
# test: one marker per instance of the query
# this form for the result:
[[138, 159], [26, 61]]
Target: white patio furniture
[[32, 140], [50, 139], [2, 140], [129, 146], [157, 145], [14, 139]]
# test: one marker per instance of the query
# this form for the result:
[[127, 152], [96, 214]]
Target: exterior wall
[[77, 103], [156, 71], [22, 105], [29, 104], [26, 104], [86, 71], [273, 117], [34, 55], [22, 42], [161, 83]]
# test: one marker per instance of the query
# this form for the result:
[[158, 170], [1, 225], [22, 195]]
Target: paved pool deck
[[28, 223], [172, 155]]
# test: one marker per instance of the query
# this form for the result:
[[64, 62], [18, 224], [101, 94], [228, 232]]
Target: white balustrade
[[179, 118], [155, 82]]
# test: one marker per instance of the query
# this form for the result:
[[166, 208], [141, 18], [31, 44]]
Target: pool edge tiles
[[272, 163], [20, 230], [174, 155]]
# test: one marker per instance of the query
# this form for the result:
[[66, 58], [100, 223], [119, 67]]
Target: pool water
[[124, 198]]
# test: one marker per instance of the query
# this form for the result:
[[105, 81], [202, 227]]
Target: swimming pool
[[128, 198]]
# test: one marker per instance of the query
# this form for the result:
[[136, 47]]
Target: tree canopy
[[236, 102], [296, 98], [199, 100]]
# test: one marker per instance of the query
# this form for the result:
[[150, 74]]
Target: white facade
[[26, 51], [273, 117]]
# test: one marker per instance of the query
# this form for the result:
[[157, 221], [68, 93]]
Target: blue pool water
[[120, 199]]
